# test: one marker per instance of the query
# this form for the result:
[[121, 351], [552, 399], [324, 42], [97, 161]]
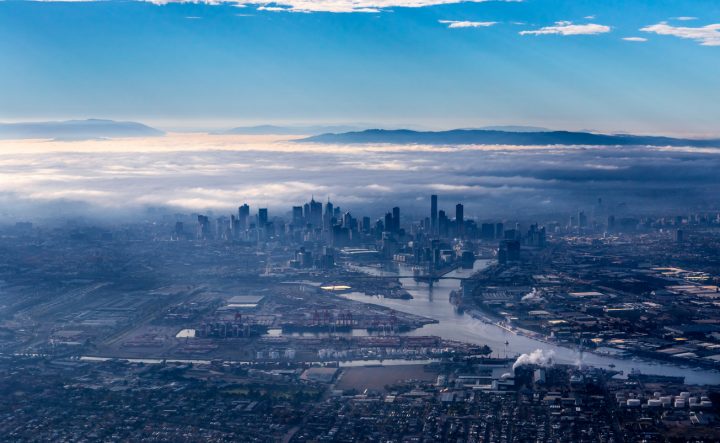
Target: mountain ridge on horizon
[[270, 129], [498, 137], [83, 129], [320, 129]]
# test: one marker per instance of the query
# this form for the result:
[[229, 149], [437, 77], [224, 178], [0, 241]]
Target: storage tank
[[633, 402], [654, 403]]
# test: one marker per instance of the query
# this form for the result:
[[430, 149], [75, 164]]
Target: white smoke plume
[[537, 357], [533, 295]]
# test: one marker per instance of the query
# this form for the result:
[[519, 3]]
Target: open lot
[[377, 377]]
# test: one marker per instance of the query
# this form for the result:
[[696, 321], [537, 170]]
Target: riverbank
[[453, 324]]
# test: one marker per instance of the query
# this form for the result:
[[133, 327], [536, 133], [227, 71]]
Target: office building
[[433, 214], [297, 215], [243, 215], [262, 217], [203, 227], [459, 219], [396, 219]]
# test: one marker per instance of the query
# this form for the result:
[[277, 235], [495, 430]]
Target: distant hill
[[491, 137], [76, 130], [512, 128], [287, 130]]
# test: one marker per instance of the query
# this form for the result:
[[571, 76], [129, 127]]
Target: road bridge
[[430, 279]]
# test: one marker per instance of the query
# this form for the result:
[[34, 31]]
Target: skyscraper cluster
[[315, 226]]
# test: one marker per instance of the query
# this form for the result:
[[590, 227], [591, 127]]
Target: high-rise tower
[[433, 214], [459, 219], [243, 214], [262, 217]]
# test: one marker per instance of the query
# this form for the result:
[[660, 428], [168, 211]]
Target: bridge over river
[[429, 278], [424, 278]]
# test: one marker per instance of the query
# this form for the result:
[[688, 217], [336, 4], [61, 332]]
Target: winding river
[[433, 302]]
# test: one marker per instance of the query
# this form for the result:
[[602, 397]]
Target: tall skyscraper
[[315, 212], [582, 219], [297, 215], [243, 214], [262, 217], [433, 214], [388, 222], [348, 221], [329, 214], [234, 226], [366, 224], [443, 223], [203, 227], [509, 251], [396, 219], [459, 219]]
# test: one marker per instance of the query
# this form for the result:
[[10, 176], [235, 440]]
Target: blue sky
[[559, 64]]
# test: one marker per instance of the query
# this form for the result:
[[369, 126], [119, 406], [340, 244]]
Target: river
[[434, 302]]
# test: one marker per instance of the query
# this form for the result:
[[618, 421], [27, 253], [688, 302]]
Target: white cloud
[[466, 24], [635, 39], [328, 5], [70, 194], [685, 19], [378, 188], [706, 35], [568, 28], [477, 189], [272, 8]]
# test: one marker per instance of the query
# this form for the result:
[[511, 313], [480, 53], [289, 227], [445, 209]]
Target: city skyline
[[308, 221]]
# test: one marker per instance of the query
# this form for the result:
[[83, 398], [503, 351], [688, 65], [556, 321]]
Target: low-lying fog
[[121, 178]]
